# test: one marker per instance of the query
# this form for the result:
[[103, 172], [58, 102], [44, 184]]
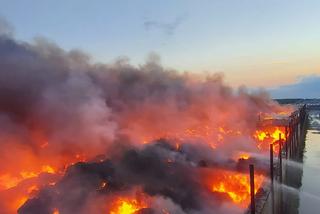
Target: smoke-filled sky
[[253, 42]]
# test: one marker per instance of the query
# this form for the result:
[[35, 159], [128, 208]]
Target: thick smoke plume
[[58, 108]]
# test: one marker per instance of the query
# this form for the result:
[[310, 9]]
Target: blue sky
[[259, 43]]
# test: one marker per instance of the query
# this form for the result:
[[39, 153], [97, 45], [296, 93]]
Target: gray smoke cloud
[[57, 104]]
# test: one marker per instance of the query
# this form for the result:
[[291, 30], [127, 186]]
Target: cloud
[[5, 27], [168, 28], [305, 87]]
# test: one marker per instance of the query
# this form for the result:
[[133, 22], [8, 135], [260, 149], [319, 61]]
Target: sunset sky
[[258, 43]]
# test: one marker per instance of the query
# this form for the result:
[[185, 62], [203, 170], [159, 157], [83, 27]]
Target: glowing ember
[[244, 156], [127, 206], [103, 185], [56, 211]]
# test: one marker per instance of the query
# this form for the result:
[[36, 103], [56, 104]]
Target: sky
[[258, 43]]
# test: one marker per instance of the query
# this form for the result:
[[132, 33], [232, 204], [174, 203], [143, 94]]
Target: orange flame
[[244, 156], [56, 211], [236, 185], [127, 206], [270, 135]]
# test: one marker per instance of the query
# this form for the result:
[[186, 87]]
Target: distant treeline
[[296, 101]]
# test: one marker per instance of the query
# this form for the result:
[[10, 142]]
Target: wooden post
[[252, 193], [296, 131], [271, 162], [290, 139], [286, 141], [271, 178], [280, 158], [280, 172], [280, 175], [293, 140], [295, 137]]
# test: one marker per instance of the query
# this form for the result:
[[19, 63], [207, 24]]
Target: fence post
[[271, 178], [280, 158], [252, 193], [286, 141]]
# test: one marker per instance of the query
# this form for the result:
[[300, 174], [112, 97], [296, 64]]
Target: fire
[[23, 185], [203, 132], [127, 206], [48, 169], [20, 201], [56, 211], [269, 135], [236, 185], [8, 181], [33, 188], [244, 156]]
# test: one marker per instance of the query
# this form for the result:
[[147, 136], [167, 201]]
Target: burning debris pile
[[82, 137], [158, 179]]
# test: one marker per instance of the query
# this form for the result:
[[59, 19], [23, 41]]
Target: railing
[[290, 148]]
